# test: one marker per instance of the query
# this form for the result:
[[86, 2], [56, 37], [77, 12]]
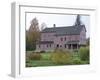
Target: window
[[61, 39], [57, 45], [47, 45], [50, 45], [65, 38]]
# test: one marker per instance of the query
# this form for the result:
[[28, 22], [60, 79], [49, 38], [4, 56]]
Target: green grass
[[46, 61], [36, 63], [46, 56], [76, 56]]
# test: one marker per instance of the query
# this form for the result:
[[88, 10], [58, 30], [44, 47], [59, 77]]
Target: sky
[[59, 20]]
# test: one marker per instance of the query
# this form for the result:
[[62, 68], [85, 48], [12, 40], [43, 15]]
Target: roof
[[67, 30], [73, 42], [45, 42]]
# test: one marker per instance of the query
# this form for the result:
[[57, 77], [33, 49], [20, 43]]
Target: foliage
[[88, 41], [32, 35], [43, 26], [34, 56], [77, 61], [75, 50], [84, 53], [42, 51], [45, 56], [29, 65], [35, 63], [48, 59], [61, 57]]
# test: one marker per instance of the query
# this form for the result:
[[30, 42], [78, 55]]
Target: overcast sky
[[59, 20]]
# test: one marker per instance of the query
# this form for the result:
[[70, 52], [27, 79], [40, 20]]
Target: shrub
[[84, 53], [75, 50], [34, 56], [27, 61], [28, 65], [42, 51], [61, 57], [77, 61], [46, 56]]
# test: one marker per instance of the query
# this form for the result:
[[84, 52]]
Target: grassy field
[[35, 63], [46, 60]]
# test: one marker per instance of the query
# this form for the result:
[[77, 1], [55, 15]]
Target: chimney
[[54, 25]]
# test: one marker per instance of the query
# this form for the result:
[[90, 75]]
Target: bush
[[34, 56], [84, 53], [75, 50], [77, 61], [46, 56], [61, 57], [42, 51], [28, 65]]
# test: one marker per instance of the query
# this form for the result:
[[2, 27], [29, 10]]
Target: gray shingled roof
[[67, 30]]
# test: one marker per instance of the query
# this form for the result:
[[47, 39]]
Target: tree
[[34, 25], [32, 35], [43, 26], [88, 41]]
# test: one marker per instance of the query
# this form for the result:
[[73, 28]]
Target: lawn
[[45, 60], [35, 63]]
